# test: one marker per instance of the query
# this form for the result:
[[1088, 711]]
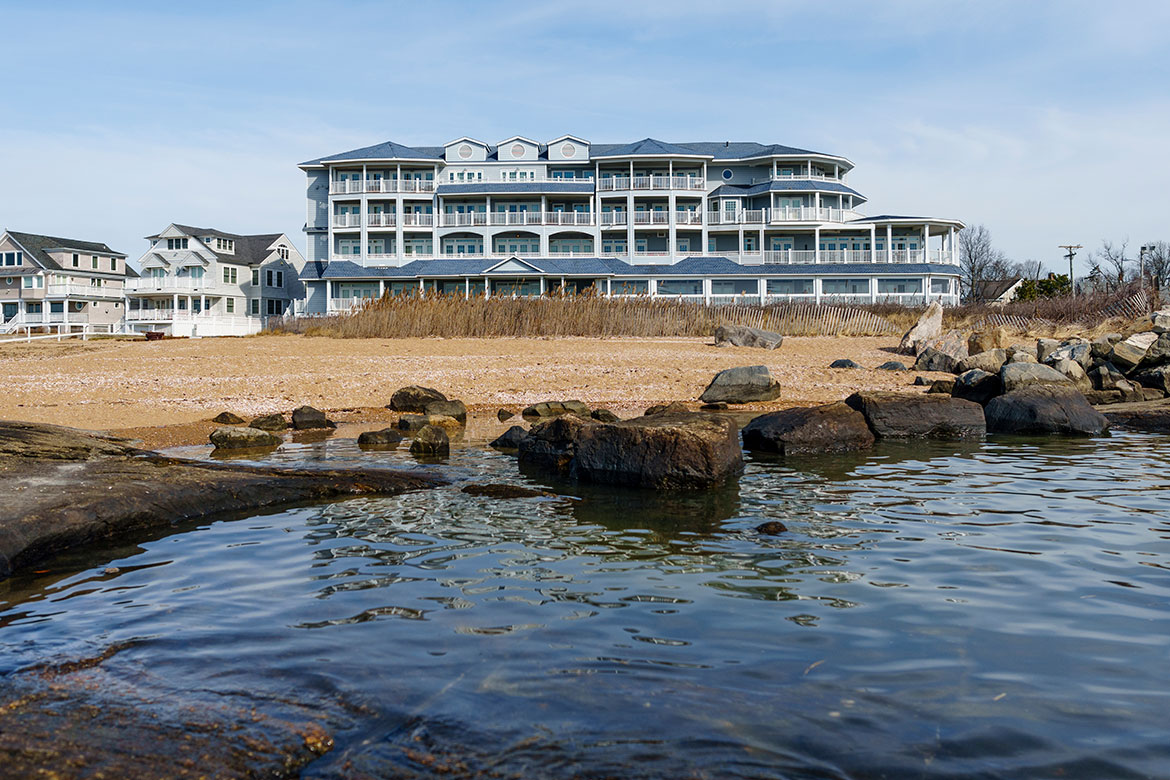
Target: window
[[56, 307], [76, 261], [282, 252], [790, 287], [229, 305], [899, 286], [174, 244], [225, 245], [680, 286], [940, 286], [630, 287], [229, 275], [256, 305], [16, 258], [27, 282], [32, 308], [845, 286], [255, 277], [280, 278], [113, 264], [727, 174], [735, 287], [93, 262]]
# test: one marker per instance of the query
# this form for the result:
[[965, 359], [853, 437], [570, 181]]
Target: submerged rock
[[497, 490], [834, 427], [430, 440], [510, 439], [308, 418], [1044, 409], [771, 528], [555, 409], [387, 437], [456, 410], [243, 438], [742, 385], [673, 406], [906, 416], [414, 398], [742, 336]]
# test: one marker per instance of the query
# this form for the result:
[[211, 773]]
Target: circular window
[[465, 151], [8, 280], [727, 174], [568, 150], [517, 150]]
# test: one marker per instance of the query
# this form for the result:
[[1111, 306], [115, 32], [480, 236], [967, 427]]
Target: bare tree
[[979, 260], [1111, 258], [1158, 265], [1029, 269]]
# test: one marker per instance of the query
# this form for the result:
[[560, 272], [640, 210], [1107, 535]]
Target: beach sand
[[165, 392]]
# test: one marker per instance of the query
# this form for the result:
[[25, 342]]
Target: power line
[[1072, 252]]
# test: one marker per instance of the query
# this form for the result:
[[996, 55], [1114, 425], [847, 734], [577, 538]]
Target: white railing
[[615, 183], [82, 291], [694, 217], [347, 220], [383, 219], [568, 217], [613, 218], [357, 186], [182, 315], [418, 220], [651, 218], [148, 284], [803, 174], [515, 218]]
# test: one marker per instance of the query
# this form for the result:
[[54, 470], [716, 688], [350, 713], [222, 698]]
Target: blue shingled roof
[[647, 146], [388, 150], [604, 266], [479, 188], [795, 185]]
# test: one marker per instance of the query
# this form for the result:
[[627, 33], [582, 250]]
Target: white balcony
[[378, 186], [418, 220], [174, 284], [622, 183], [347, 220], [516, 219], [76, 290], [183, 315], [382, 219], [651, 217]]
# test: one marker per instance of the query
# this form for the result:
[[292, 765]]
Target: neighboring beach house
[[207, 282], [700, 221], [997, 292], [60, 284]]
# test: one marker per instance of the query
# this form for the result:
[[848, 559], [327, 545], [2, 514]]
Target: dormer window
[[76, 260], [14, 258], [282, 252], [225, 245], [175, 244]]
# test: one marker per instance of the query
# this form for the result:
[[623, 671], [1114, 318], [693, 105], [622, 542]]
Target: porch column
[[762, 284], [364, 209], [873, 289], [890, 243], [399, 215], [926, 243], [328, 296], [543, 231], [64, 312], [381, 288], [872, 243], [951, 246], [467, 288], [630, 219], [174, 305], [203, 304], [487, 290], [817, 248], [672, 229]]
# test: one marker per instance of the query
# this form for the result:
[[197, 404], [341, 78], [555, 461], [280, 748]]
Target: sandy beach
[[165, 392]]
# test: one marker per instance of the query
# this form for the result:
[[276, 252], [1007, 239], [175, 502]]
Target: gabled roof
[[994, 289], [469, 139], [567, 137], [388, 150], [39, 247], [647, 147], [518, 138], [249, 250]]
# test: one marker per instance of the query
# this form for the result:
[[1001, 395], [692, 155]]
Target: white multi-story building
[[205, 282], [60, 284], [702, 221]]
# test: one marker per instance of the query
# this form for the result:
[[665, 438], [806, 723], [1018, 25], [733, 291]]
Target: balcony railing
[[515, 218], [72, 289], [347, 220], [616, 183], [173, 284], [171, 315], [381, 219], [418, 220], [389, 186]]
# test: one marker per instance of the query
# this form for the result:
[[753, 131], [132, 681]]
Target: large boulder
[[835, 427], [552, 445], [546, 409], [977, 385], [1044, 409], [387, 437], [306, 418], [1159, 352], [269, 422], [991, 361], [982, 341], [929, 326], [430, 440], [931, 359], [1019, 375], [741, 336], [1158, 378], [414, 398], [243, 439], [1161, 321], [903, 416], [1105, 375], [509, 439], [673, 406], [741, 385], [1075, 373], [665, 451], [951, 343], [1022, 356], [1076, 350], [1127, 354], [1045, 347], [455, 409]]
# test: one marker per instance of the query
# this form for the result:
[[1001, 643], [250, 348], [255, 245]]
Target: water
[[997, 609]]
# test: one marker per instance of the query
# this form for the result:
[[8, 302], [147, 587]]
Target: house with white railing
[[60, 285], [700, 221], [207, 282]]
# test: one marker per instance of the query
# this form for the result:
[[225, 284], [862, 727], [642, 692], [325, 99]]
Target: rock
[[453, 409], [1015, 349], [1078, 351], [414, 398], [449, 424], [1127, 354], [1159, 352], [306, 418], [931, 359], [1019, 375], [431, 440], [902, 416], [269, 422], [1161, 321], [227, 418], [412, 422], [844, 363], [984, 341], [942, 386], [505, 414], [497, 490], [1099, 350], [1022, 357], [243, 439], [950, 343], [92, 488], [718, 406], [1113, 338], [510, 439], [387, 437], [1044, 409], [833, 427], [1105, 375], [740, 336], [555, 409], [977, 385], [922, 381], [604, 415], [673, 450], [892, 365], [552, 445], [1072, 369], [1154, 419], [990, 361], [1101, 397], [771, 528], [742, 385], [1130, 391], [673, 406], [1154, 378], [929, 326], [1045, 347], [1152, 394]]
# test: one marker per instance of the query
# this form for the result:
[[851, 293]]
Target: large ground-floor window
[[680, 287], [845, 286], [899, 286], [790, 287]]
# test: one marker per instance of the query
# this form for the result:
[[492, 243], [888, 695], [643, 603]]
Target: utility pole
[[1072, 252]]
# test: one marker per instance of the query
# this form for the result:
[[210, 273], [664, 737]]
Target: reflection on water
[[935, 610]]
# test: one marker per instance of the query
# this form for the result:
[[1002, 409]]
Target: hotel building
[[714, 222]]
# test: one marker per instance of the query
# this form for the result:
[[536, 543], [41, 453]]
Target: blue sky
[[1046, 121]]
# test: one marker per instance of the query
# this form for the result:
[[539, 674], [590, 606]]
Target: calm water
[[986, 610]]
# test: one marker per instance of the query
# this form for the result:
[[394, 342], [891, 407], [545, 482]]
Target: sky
[[1045, 121]]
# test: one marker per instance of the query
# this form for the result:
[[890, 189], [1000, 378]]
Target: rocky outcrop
[[227, 418], [307, 418], [416, 422], [1044, 409], [990, 361], [453, 409], [1128, 354], [905, 416], [929, 326], [834, 427], [62, 488], [1152, 418], [509, 439], [243, 439], [414, 399], [984, 341], [387, 437], [269, 422], [977, 385], [1016, 376], [546, 409], [551, 445], [742, 385], [430, 440], [741, 336]]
